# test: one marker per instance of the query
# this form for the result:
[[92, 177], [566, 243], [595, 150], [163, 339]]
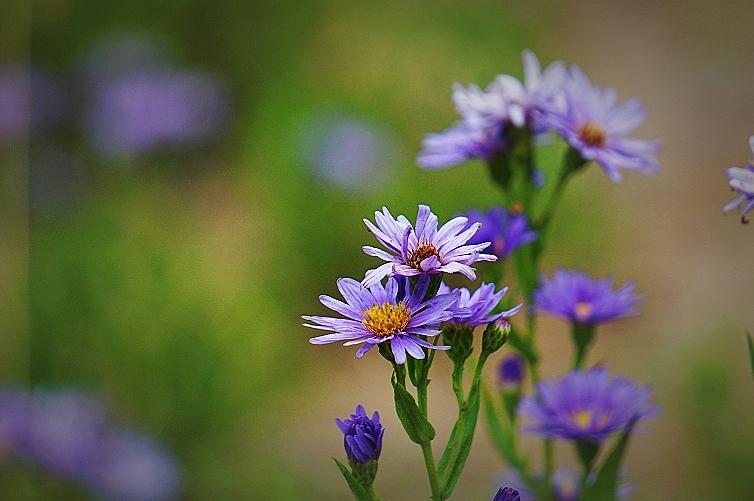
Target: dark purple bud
[[507, 494], [362, 436], [512, 370]]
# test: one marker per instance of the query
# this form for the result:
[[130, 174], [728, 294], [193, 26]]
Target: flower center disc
[[422, 252], [592, 134], [583, 311], [583, 419], [386, 319]]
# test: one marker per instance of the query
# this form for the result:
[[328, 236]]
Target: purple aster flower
[[575, 296], [377, 314], [742, 180], [512, 478], [592, 123], [486, 113], [362, 436], [507, 231], [507, 494], [512, 370], [424, 248], [566, 485], [480, 303], [586, 406]]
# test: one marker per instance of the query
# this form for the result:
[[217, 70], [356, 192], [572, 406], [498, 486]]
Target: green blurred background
[[175, 286]]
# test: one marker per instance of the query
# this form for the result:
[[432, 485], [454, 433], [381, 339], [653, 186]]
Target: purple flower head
[[592, 123], [486, 113], [362, 436], [512, 370], [507, 231], [507, 494], [512, 478], [742, 180], [566, 485], [423, 249], [378, 314], [586, 406], [135, 468], [141, 112], [575, 296], [480, 304]]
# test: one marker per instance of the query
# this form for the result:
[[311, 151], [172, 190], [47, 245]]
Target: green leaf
[[751, 351], [606, 483], [359, 492], [455, 455], [417, 427]]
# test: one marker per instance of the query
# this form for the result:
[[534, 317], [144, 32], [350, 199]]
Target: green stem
[[434, 481], [548, 461], [457, 380], [372, 494], [421, 393]]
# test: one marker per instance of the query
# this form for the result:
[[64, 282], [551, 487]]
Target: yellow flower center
[[582, 311], [386, 319], [592, 134], [422, 252], [583, 419]]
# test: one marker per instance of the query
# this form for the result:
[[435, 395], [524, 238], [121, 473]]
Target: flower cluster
[[68, 433], [587, 117]]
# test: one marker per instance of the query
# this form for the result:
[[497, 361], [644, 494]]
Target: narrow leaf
[[606, 483], [454, 466], [501, 433], [417, 427], [358, 490]]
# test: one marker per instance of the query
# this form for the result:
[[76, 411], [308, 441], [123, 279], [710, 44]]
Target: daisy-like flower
[[593, 125], [507, 231], [586, 406], [486, 113], [480, 303], [362, 436], [377, 314], [741, 179], [423, 249], [575, 296]]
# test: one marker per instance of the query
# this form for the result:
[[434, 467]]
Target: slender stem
[[457, 380], [434, 481], [421, 393], [372, 494], [548, 461]]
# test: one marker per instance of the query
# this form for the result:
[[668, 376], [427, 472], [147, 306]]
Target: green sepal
[[358, 490], [587, 451], [460, 338], [583, 336], [751, 351], [418, 429], [495, 335], [452, 462], [606, 483]]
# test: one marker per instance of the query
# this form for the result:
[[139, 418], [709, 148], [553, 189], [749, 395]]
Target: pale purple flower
[[566, 485], [378, 314], [575, 296], [594, 125], [480, 303], [507, 231], [362, 436], [423, 249], [485, 114], [741, 179], [586, 406]]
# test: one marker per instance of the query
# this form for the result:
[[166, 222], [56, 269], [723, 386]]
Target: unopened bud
[[495, 335]]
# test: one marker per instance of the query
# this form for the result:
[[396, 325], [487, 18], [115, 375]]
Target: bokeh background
[[162, 261]]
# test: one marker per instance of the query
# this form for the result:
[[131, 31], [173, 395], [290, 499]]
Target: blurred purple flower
[[512, 478], [507, 231], [362, 436], [377, 314], [566, 485], [586, 406], [348, 152], [511, 370], [575, 296], [31, 102], [69, 433], [139, 113], [485, 114], [425, 248], [742, 180], [592, 124]]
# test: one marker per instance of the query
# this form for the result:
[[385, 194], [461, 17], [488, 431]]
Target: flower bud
[[460, 339], [495, 335], [507, 494], [362, 440]]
